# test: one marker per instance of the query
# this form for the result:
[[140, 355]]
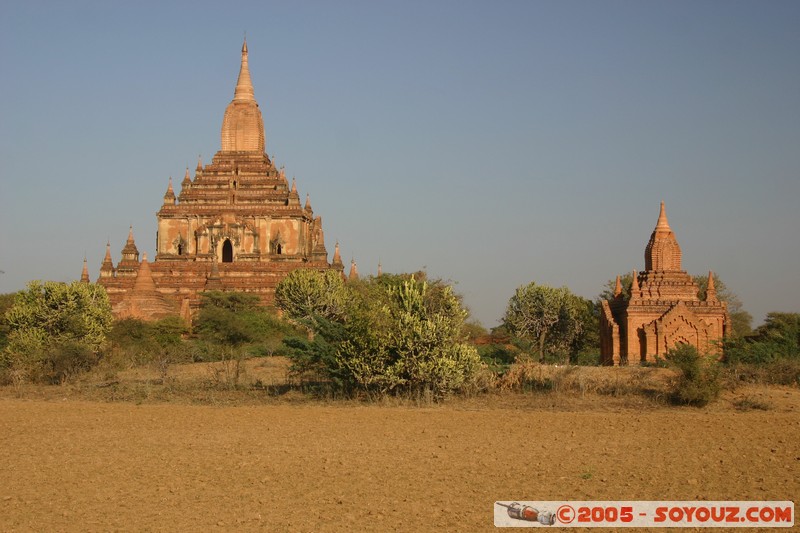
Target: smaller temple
[[144, 301], [663, 310]]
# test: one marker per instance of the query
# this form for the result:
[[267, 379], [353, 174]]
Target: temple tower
[[237, 225], [663, 309]]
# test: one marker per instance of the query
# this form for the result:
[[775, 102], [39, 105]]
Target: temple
[[663, 310], [238, 225]]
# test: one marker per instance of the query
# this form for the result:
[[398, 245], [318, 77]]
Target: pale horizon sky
[[489, 143]]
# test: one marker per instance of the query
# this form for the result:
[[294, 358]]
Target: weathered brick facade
[[663, 310], [238, 225]]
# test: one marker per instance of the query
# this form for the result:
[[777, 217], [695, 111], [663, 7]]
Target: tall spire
[[243, 125], [662, 252], [244, 86]]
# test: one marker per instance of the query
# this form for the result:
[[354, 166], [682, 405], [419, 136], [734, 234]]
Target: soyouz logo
[[644, 514]]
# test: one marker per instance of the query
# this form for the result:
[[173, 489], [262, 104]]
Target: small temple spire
[[337, 258], [618, 287], [187, 180], [199, 163], [130, 254], [353, 270], [85, 271], [711, 290], [107, 268], [294, 185], [169, 196], [244, 86], [635, 285], [308, 202], [380, 268]]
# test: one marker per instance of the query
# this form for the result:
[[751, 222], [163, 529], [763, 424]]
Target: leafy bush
[[237, 320], [555, 321], [52, 322], [698, 381], [394, 334], [138, 343]]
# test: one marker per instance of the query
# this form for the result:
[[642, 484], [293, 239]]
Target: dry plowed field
[[73, 465]]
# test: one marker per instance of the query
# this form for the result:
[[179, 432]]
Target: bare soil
[[67, 464]]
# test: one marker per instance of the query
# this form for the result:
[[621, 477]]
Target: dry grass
[[650, 382]]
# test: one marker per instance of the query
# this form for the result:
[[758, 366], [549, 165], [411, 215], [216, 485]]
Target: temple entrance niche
[[227, 251]]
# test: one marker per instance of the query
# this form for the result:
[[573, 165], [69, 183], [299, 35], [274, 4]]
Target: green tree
[[52, 323], [550, 318], [777, 339], [698, 381], [6, 302], [585, 349], [237, 322], [226, 318], [394, 334], [306, 295]]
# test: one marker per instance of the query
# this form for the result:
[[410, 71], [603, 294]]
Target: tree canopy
[[56, 327], [392, 334], [548, 317]]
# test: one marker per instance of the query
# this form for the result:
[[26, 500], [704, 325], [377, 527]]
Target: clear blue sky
[[492, 143]]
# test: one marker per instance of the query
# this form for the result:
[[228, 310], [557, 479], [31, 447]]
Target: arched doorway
[[227, 252]]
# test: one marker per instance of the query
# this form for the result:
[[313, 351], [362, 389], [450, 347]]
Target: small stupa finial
[[635, 285], [337, 258], [353, 270], [85, 271], [618, 287], [711, 290]]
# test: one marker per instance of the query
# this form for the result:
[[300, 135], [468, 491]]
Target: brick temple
[[238, 225], [664, 309]]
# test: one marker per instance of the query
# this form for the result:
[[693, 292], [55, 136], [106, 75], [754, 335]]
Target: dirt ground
[[72, 465]]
